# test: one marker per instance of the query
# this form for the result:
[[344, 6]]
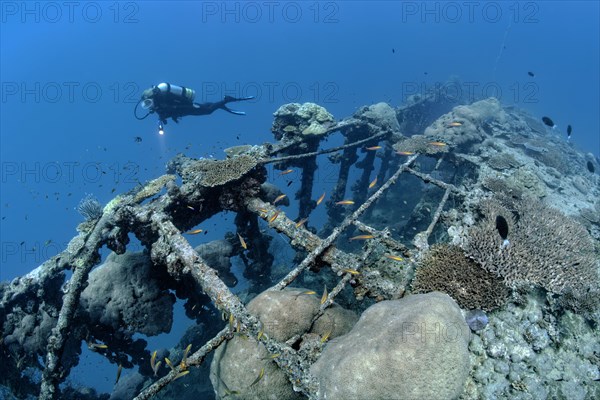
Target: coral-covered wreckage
[[398, 268]]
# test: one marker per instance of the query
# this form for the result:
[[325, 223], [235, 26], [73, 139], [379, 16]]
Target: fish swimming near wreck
[[502, 227], [547, 121], [320, 199]]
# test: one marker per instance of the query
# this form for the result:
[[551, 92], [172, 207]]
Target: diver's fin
[[229, 110], [229, 99]]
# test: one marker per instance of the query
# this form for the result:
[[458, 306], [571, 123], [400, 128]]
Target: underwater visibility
[[483, 283], [442, 246]]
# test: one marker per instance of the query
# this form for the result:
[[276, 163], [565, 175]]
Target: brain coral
[[283, 314], [123, 293], [413, 348]]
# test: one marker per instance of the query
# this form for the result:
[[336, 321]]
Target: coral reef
[[503, 161], [149, 190], [380, 114], [282, 342], [445, 268], [546, 248], [295, 120], [238, 363], [284, 314], [527, 353], [527, 179], [471, 118], [120, 293], [218, 253], [419, 144], [413, 348], [211, 173], [502, 187]]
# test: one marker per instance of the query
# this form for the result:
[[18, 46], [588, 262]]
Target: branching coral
[[445, 268], [546, 247]]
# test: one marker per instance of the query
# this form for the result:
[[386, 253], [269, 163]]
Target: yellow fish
[[361, 237], [373, 183], [301, 222], [182, 373], [260, 333], [243, 242], [344, 203], [324, 297], [393, 257], [274, 217], [373, 148], [439, 144], [287, 171], [307, 292], [157, 367], [153, 359], [259, 377], [279, 198], [351, 271], [185, 354], [326, 336], [170, 364], [320, 199], [191, 208], [194, 232], [96, 346], [453, 124], [405, 153]]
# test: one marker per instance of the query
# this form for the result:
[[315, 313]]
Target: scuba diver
[[171, 101]]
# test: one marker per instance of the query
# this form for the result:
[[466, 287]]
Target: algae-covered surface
[[441, 246], [502, 311]]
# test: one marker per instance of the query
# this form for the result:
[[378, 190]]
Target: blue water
[[72, 76]]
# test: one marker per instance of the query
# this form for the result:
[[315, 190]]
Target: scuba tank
[[181, 91], [148, 100]]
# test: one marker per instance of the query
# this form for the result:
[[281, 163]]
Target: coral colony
[[455, 254]]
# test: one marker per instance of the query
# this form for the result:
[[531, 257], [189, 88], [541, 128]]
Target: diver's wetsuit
[[171, 105], [176, 108]]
